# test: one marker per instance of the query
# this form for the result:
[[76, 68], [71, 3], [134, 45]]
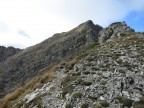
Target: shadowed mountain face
[[7, 52], [20, 68]]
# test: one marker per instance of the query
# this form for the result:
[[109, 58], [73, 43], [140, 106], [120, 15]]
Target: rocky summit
[[87, 67]]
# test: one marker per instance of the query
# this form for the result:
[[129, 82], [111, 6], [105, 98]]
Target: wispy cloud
[[23, 33], [3, 27]]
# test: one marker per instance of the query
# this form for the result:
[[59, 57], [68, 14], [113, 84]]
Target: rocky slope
[[113, 30], [110, 75], [25, 65], [94, 81]]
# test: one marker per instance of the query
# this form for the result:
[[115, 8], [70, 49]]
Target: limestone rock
[[113, 30]]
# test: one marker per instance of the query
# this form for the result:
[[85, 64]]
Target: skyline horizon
[[24, 23]]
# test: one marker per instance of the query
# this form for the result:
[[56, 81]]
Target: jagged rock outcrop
[[20, 68], [110, 76], [7, 52], [113, 30]]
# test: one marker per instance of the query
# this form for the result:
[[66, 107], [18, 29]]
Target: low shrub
[[77, 95], [85, 105], [125, 101], [139, 104], [104, 104], [86, 83], [68, 106]]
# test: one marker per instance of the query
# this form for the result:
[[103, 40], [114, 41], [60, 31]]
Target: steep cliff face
[[7, 52], [31, 61]]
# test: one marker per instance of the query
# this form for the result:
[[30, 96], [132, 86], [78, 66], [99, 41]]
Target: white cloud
[[23, 33], [3, 27], [12, 38], [40, 19]]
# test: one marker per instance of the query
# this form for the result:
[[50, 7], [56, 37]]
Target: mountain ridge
[[27, 63], [33, 61]]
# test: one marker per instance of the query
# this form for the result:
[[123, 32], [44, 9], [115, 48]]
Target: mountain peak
[[88, 23], [118, 23], [32, 60], [87, 26]]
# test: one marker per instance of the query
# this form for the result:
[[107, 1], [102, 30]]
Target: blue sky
[[27, 22], [136, 21]]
